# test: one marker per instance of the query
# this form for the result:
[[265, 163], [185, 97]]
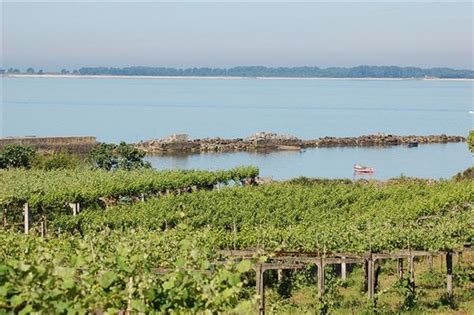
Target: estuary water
[[134, 109]]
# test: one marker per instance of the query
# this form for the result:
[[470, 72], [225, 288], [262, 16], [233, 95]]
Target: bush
[[122, 156], [15, 156], [466, 174], [470, 141], [61, 160]]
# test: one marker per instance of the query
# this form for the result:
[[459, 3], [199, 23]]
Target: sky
[[70, 35]]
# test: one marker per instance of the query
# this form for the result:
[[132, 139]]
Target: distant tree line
[[260, 71], [306, 72]]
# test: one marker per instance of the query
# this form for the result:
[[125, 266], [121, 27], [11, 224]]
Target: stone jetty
[[269, 141]]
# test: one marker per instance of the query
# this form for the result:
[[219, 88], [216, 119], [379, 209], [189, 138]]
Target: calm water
[[141, 109], [429, 161]]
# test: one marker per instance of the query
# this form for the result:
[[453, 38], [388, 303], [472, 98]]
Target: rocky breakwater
[[269, 141], [379, 140]]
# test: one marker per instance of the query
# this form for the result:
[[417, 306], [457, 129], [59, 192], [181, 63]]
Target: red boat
[[363, 169]]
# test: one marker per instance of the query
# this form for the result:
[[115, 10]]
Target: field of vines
[[328, 217], [162, 254], [49, 189]]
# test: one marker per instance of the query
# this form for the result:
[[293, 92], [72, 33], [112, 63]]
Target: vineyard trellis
[[299, 260]]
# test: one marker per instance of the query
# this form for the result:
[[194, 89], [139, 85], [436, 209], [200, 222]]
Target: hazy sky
[[71, 35]]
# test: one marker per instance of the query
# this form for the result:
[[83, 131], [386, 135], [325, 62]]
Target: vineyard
[[174, 251], [49, 189]]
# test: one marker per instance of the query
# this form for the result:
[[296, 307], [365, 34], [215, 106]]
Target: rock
[[175, 138], [270, 136]]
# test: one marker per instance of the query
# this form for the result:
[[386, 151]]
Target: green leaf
[[107, 279], [168, 285], [244, 266], [16, 300], [138, 305], [26, 310]]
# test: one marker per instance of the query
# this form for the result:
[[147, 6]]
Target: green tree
[[470, 141], [122, 156], [130, 157], [103, 156], [14, 155], [30, 70]]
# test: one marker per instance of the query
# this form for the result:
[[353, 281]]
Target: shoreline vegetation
[[157, 77], [256, 72]]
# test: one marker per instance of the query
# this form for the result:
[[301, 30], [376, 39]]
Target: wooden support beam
[[242, 252], [411, 262], [316, 260], [343, 269], [260, 288], [27, 217], [5, 212], [276, 266], [321, 278], [400, 270], [449, 273], [370, 278]]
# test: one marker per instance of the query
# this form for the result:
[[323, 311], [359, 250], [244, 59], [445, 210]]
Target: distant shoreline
[[79, 76]]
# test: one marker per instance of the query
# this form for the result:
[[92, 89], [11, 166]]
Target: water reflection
[[425, 161]]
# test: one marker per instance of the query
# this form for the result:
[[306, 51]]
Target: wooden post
[[260, 288], [431, 263], [280, 275], [370, 278], [449, 273], [5, 211], [343, 269], [43, 226], [321, 279], [76, 208], [26, 216], [400, 268], [142, 197], [411, 261]]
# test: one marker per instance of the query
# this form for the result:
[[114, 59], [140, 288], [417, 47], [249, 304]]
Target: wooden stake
[[76, 208], [26, 216], [260, 288], [411, 261], [449, 273], [280, 275], [43, 226], [321, 279], [400, 268], [343, 269], [370, 278], [5, 211]]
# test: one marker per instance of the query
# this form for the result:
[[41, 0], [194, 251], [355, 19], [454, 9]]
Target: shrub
[[60, 160], [15, 156], [470, 141], [122, 156]]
